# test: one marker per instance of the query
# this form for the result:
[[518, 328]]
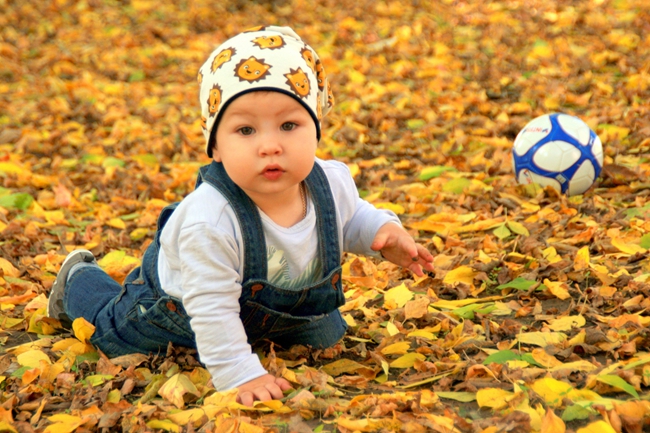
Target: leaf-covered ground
[[536, 317]]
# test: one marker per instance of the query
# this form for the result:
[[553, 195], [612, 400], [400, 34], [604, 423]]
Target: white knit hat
[[262, 58]]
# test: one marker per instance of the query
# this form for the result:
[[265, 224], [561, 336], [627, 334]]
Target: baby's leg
[[88, 291]]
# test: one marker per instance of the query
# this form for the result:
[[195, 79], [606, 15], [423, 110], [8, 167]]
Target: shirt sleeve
[[360, 220], [210, 281]]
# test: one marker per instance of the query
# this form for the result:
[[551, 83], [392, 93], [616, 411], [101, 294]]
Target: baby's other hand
[[263, 388], [397, 246]]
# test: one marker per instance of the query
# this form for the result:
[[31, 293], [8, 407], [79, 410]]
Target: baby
[[254, 252]]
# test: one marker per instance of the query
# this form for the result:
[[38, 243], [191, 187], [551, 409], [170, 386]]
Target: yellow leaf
[[83, 329], [114, 396], [567, 323], [392, 329], [117, 264], [396, 348], [354, 169], [397, 297], [597, 427], [6, 427], [579, 338], [422, 334], [518, 228], [552, 390], [349, 320], [187, 416], [275, 405], [551, 255], [557, 288], [627, 248], [8, 268], [369, 163], [541, 339], [463, 274], [32, 358], [343, 365], [407, 361], [356, 77], [517, 363], [54, 371], [117, 223], [438, 423], [222, 398], [582, 365], [612, 132], [543, 358], [11, 168], [452, 305], [175, 389], [397, 208], [367, 424], [581, 261], [163, 424], [495, 398], [520, 108], [63, 423], [463, 396], [139, 233]]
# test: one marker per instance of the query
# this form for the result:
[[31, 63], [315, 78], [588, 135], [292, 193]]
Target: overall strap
[[329, 250], [250, 223]]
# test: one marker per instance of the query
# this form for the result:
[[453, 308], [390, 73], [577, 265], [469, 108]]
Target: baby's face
[[267, 143]]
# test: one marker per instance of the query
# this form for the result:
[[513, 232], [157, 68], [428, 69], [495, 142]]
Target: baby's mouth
[[272, 172]]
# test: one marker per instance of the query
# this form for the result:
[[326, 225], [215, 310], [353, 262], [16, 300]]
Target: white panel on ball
[[575, 127], [531, 134], [526, 177], [582, 179], [556, 156], [597, 150]]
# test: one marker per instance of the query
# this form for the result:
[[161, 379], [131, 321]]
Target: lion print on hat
[[262, 58]]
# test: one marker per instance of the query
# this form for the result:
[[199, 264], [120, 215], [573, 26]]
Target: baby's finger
[[246, 398], [283, 383], [262, 394], [379, 242], [274, 390], [416, 269]]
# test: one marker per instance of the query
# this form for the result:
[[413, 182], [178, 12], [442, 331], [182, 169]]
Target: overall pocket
[[260, 321], [168, 317]]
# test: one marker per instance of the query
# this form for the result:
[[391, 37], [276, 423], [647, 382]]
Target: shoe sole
[[55, 303]]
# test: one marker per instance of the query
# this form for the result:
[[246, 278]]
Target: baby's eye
[[288, 126], [246, 130]]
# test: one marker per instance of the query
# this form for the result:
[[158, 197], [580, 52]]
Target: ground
[[535, 318]]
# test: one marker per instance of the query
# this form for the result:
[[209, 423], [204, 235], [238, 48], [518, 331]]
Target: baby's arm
[[397, 246]]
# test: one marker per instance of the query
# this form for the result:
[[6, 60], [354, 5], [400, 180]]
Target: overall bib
[[141, 317]]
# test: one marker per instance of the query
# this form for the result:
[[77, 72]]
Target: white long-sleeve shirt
[[201, 263]]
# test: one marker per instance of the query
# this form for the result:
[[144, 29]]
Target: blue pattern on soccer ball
[[558, 150]]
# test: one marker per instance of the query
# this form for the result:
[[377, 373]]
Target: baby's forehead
[[264, 101]]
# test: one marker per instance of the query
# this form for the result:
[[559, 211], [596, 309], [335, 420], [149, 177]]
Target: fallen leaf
[[176, 388]]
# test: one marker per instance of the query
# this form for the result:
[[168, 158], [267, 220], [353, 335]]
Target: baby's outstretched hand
[[263, 388], [397, 246]]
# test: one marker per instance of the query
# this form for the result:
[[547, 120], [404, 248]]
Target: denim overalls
[[140, 317]]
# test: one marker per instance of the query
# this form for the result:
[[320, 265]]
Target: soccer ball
[[558, 150]]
